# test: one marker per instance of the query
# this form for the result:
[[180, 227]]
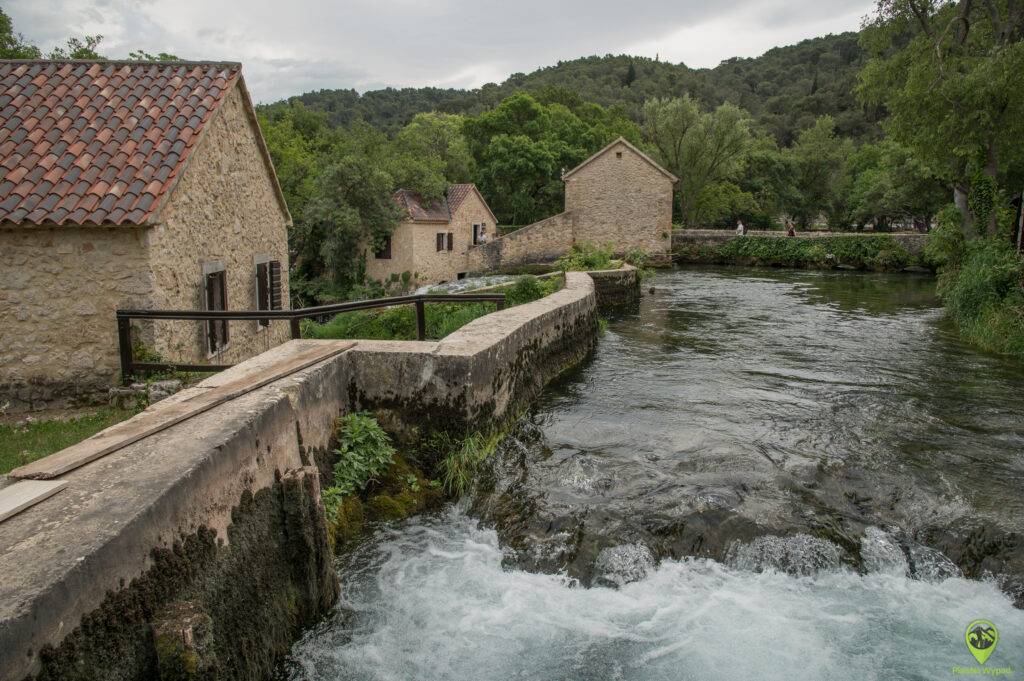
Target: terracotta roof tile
[[100, 142], [417, 210]]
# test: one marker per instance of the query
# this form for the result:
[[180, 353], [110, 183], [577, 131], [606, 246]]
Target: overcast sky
[[294, 46]]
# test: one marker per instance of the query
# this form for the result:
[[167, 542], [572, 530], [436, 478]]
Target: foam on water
[[430, 600]]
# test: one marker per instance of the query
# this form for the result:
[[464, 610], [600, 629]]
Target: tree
[[13, 45], [142, 55], [700, 148], [818, 161], [951, 75], [431, 153], [522, 147], [78, 48]]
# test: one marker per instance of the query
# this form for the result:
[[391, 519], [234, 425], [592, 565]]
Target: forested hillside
[[785, 89]]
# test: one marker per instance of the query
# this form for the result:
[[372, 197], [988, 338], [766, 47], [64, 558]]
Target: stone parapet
[[219, 517]]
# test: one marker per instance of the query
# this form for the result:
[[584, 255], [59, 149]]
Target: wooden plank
[[166, 415], [17, 497]]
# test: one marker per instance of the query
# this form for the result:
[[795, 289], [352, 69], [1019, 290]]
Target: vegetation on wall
[[399, 323], [879, 253]]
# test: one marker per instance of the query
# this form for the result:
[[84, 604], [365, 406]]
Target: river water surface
[[759, 475]]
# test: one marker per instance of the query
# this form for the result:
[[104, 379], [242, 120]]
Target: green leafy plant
[[364, 452], [585, 257]]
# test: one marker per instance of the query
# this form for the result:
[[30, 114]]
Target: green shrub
[[585, 257], [364, 452], [983, 291], [945, 243]]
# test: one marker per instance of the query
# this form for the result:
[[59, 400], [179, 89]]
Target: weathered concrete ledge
[[202, 549]]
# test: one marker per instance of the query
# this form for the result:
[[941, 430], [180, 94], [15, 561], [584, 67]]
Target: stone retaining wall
[[203, 549], [543, 241], [615, 288], [914, 243]]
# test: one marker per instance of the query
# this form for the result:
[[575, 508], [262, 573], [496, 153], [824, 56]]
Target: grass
[[983, 291], [34, 440], [879, 253], [399, 323]]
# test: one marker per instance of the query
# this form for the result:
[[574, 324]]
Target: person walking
[[741, 229], [790, 230]]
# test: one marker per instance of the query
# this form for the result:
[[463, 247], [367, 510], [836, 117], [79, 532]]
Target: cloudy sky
[[299, 45]]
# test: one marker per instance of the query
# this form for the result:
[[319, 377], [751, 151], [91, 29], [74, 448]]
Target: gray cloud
[[292, 47]]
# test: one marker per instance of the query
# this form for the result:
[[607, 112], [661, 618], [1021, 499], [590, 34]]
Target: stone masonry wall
[[226, 541], [681, 238], [542, 241], [223, 210], [403, 256], [620, 198], [59, 288]]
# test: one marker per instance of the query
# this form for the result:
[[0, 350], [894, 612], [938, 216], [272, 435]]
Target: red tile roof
[[100, 142], [418, 210]]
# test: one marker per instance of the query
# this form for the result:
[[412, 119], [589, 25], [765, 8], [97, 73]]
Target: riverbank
[[809, 250]]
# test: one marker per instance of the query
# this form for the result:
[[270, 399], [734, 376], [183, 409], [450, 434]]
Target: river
[[769, 474]]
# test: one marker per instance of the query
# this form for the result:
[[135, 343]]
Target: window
[[268, 287], [216, 285], [440, 241], [460, 275], [451, 241], [618, 154], [385, 250], [476, 234]]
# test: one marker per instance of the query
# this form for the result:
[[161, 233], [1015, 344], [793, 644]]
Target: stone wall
[[59, 288], [225, 540], [616, 288], [620, 198], [403, 256], [914, 243], [223, 211], [542, 241]]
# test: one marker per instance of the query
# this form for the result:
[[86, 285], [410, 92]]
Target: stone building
[[429, 246], [130, 185], [619, 196]]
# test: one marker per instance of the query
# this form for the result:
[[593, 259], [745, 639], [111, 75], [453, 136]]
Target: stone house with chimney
[[619, 196], [430, 244], [130, 185]]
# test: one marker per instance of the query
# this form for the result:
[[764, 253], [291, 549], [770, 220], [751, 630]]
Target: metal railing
[[321, 313]]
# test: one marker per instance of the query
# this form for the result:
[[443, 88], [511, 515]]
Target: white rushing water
[[429, 599]]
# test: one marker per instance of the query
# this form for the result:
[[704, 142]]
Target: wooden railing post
[[421, 320], [124, 347], [296, 327]]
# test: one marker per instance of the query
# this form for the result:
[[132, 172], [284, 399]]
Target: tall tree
[[700, 148], [951, 75], [820, 175]]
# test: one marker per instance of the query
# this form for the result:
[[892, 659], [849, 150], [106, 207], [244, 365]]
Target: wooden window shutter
[[451, 241], [276, 294], [216, 299], [440, 241]]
